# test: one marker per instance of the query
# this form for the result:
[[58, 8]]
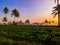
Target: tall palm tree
[[5, 11], [15, 13], [56, 11]]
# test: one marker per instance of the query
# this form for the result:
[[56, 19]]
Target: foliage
[[13, 34], [27, 21], [15, 13], [4, 19], [5, 10]]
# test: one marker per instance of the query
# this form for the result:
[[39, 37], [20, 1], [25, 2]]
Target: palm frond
[[15, 13], [5, 10], [54, 7], [54, 10], [55, 15], [52, 13]]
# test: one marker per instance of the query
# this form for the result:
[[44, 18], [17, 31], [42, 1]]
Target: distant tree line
[[14, 13]]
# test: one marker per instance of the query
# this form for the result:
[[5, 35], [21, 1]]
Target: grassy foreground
[[24, 35]]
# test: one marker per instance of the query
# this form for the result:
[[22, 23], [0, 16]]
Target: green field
[[26, 35]]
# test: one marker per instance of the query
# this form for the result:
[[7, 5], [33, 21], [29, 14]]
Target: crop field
[[27, 35]]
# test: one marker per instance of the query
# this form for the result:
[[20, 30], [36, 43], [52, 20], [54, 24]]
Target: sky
[[34, 10]]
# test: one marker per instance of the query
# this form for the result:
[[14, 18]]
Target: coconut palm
[[4, 19], [6, 11], [15, 13], [56, 11]]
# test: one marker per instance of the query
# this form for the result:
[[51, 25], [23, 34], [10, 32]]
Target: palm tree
[[56, 11], [4, 19], [6, 11], [15, 13]]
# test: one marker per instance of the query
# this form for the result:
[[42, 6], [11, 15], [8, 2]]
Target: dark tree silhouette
[[52, 21], [15, 13], [56, 11], [49, 22], [21, 22], [27, 21], [5, 11], [46, 21], [4, 19]]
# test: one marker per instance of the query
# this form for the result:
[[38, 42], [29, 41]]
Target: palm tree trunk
[[59, 19], [6, 18], [58, 16], [17, 19], [14, 21], [14, 18]]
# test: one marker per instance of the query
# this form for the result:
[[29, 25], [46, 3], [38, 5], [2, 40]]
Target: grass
[[12, 34]]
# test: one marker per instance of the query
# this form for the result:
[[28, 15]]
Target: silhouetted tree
[[14, 22], [5, 11], [49, 22], [52, 21], [21, 22], [56, 11], [15, 13], [4, 19], [46, 21], [27, 21]]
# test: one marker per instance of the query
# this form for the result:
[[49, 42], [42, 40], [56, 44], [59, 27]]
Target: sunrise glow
[[34, 10]]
